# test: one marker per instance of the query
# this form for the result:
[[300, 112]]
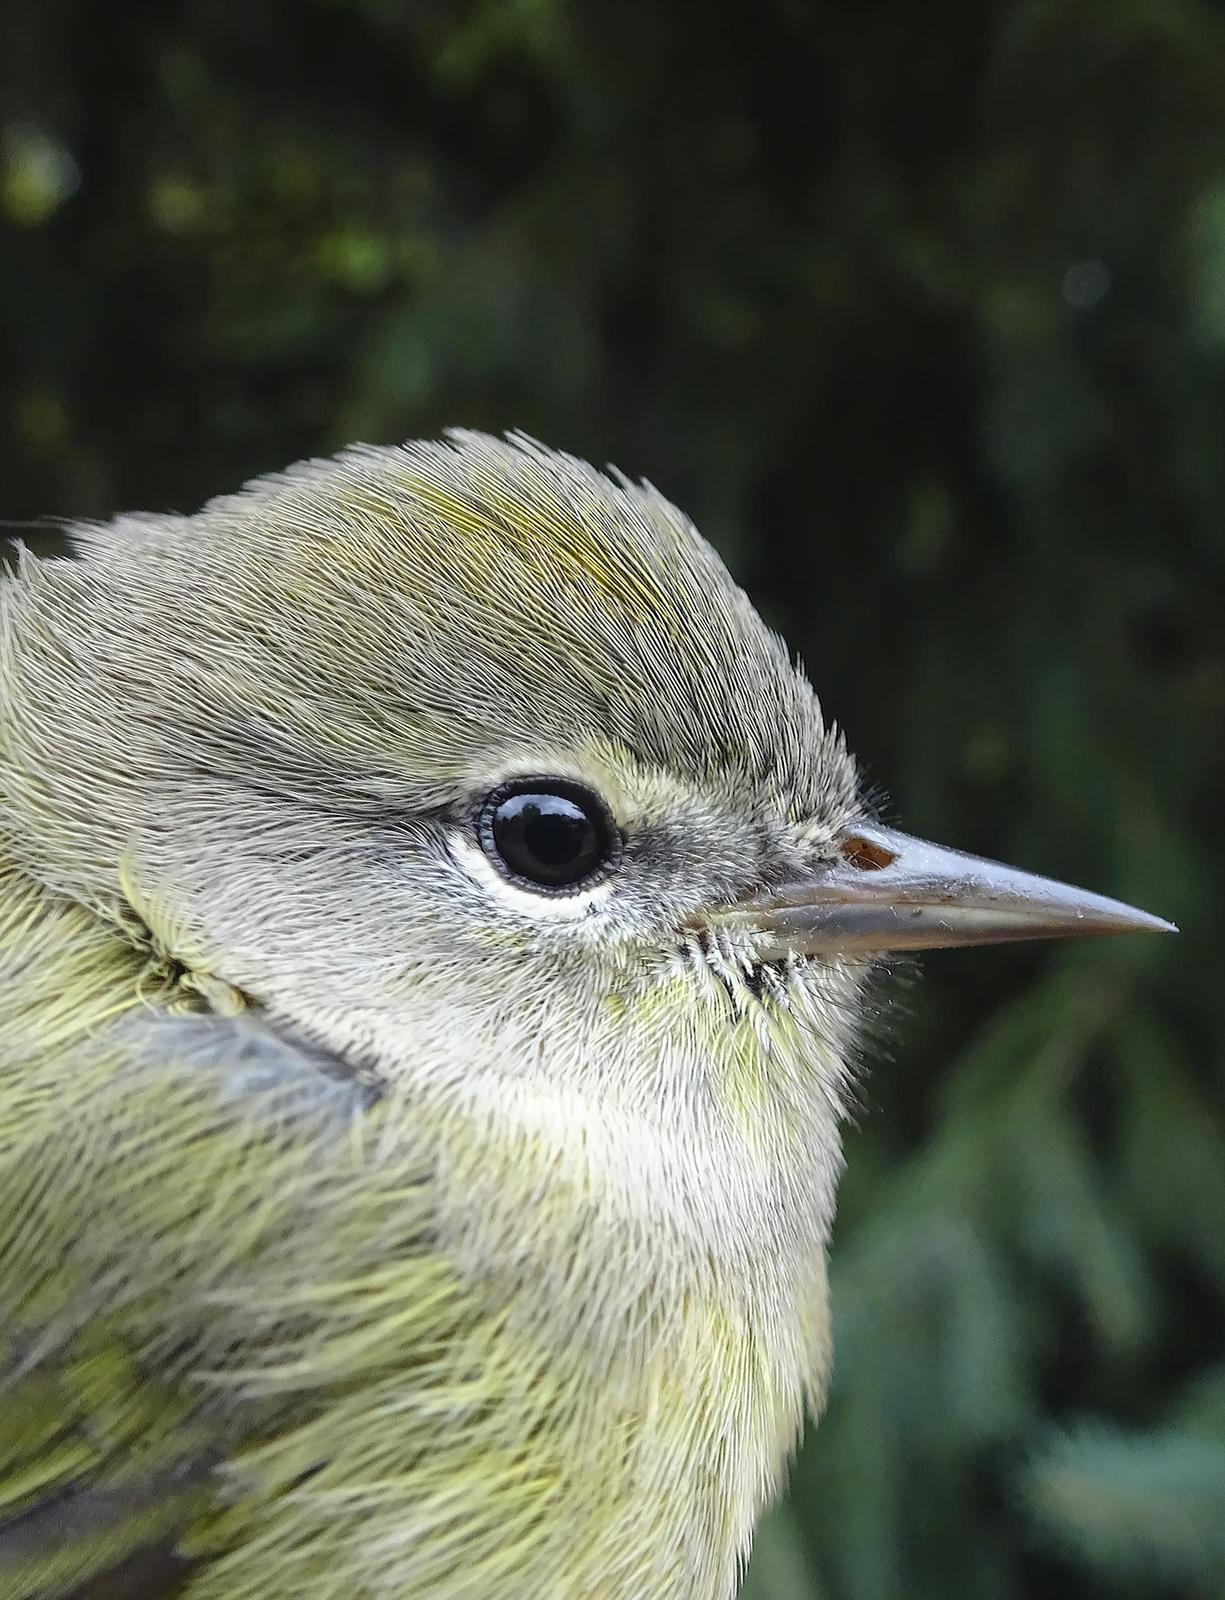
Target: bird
[[436, 919]]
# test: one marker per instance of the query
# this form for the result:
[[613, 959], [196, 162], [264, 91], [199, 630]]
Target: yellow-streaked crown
[[439, 600]]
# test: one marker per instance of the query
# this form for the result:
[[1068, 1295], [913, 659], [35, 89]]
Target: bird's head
[[465, 759]]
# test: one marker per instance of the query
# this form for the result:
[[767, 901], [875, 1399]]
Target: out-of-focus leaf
[[1136, 1508]]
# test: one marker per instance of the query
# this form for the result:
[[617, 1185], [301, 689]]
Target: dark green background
[[920, 310]]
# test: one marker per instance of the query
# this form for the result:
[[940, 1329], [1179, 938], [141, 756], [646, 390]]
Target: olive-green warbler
[[434, 918]]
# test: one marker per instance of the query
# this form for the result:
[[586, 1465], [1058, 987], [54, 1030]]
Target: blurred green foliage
[[920, 310]]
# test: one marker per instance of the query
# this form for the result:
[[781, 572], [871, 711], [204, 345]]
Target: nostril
[[865, 855]]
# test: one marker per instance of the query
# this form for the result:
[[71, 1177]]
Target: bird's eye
[[548, 834]]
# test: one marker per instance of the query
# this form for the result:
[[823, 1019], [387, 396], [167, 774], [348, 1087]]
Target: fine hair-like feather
[[370, 1227]]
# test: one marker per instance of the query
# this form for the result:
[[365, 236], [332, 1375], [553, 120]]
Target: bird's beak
[[887, 891]]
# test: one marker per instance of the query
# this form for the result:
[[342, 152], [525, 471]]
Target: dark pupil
[[548, 838]]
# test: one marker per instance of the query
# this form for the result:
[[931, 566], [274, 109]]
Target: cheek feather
[[780, 1037]]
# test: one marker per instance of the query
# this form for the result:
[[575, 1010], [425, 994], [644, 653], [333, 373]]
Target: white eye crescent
[[574, 906]]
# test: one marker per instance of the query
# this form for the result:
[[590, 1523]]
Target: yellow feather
[[367, 1231]]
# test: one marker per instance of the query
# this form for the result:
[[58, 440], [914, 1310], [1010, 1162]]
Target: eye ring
[[549, 835]]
